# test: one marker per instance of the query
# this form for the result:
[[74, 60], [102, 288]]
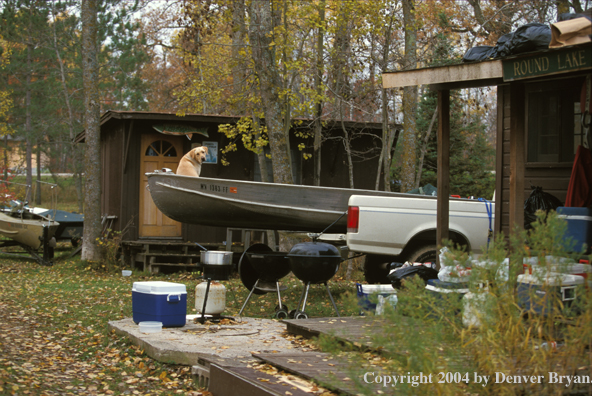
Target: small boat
[[27, 228], [71, 224], [254, 205]]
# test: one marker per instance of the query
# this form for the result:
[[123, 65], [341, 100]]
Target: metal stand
[[301, 314], [203, 310], [281, 311]]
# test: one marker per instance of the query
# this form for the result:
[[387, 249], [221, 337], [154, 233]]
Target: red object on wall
[[579, 191]]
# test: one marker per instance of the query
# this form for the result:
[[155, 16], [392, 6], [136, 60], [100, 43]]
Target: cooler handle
[[568, 293], [360, 291], [173, 298]]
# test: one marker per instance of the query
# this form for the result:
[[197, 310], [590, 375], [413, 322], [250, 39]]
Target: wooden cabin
[[134, 143], [540, 97]]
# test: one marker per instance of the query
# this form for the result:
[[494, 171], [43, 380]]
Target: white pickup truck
[[399, 229]]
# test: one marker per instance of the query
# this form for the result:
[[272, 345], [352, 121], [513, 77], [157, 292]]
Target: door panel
[[158, 151]]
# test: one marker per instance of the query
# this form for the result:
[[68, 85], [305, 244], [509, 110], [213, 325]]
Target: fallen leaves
[[54, 338]]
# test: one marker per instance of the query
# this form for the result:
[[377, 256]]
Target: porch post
[[442, 215], [517, 155]]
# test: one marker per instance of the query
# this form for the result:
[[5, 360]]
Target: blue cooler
[[538, 292], [365, 291], [158, 301], [442, 290], [579, 226]]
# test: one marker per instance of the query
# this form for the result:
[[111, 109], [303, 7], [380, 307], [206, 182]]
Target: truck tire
[[375, 270], [423, 254]]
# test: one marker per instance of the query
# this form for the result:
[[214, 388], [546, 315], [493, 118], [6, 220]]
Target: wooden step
[[246, 381]]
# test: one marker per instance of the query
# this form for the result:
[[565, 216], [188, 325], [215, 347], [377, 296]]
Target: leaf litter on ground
[[55, 340]]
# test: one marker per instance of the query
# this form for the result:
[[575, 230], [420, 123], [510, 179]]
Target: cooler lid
[[159, 287], [551, 279], [447, 285], [382, 289]]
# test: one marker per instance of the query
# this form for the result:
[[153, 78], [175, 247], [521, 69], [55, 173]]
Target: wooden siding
[[553, 178]]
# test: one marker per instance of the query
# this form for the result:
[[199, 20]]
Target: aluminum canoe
[[255, 205], [26, 227]]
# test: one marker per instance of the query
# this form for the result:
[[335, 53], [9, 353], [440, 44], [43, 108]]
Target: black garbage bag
[[479, 53], [538, 200], [527, 38], [425, 273]]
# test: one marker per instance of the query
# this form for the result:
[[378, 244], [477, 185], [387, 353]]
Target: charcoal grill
[[260, 269], [313, 263]]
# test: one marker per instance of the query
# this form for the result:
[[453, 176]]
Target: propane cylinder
[[216, 298]]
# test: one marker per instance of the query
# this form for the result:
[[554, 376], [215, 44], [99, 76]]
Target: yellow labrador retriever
[[190, 164]]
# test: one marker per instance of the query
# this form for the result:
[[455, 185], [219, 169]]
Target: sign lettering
[[552, 62]]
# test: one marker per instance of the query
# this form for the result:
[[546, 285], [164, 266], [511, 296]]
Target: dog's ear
[[193, 153], [205, 149]]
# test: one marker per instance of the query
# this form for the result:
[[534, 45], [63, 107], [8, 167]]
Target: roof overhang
[[466, 75], [572, 60]]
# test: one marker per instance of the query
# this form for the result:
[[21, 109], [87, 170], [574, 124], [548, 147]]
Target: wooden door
[[157, 152]]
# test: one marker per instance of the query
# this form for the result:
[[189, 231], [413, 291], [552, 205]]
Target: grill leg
[[249, 296], [332, 301], [305, 296], [277, 285]]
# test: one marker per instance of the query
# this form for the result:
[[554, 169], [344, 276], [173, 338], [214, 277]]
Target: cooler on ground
[[365, 292], [159, 301], [579, 226], [538, 292], [444, 290]]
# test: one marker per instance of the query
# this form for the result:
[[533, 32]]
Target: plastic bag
[[538, 200], [527, 38], [454, 273], [424, 272]]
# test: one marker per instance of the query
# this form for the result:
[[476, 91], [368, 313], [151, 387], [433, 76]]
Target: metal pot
[[314, 262], [216, 264], [216, 257]]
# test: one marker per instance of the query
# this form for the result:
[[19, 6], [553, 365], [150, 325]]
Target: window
[[553, 121], [160, 148]]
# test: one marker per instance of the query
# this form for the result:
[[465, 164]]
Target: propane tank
[[216, 298]]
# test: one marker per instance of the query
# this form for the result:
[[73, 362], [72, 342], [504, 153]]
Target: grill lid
[[314, 249]]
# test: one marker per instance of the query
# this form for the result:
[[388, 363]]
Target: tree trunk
[[28, 129], [263, 53], [318, 81], [424, 148], [92, 160], [38, 186], [409, 156]]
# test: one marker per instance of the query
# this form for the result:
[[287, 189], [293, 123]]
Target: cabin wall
[[553, 178], [130, 182], [111, 152]]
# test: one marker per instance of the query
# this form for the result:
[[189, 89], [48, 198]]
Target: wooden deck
[[353, 330]]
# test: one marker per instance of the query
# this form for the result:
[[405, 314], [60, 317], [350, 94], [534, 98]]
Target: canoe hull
[[27, 231], [254, 205]]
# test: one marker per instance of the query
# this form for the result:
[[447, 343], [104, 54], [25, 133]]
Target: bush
[[518, 351]]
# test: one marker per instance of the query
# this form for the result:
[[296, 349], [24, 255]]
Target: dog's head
[[199, 154]]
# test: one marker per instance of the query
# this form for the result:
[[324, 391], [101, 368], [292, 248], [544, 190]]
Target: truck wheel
[[375, 270], [424, 254]]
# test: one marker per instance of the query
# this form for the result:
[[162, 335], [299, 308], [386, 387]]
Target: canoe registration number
[[218, 188]]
